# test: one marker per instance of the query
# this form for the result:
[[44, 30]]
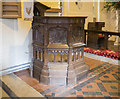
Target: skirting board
[[15, 68], [102, 58]]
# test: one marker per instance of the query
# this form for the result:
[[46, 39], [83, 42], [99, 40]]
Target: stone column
[[117, 40]]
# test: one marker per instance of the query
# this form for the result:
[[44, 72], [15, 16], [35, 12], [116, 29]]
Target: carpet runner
[[105, 53]]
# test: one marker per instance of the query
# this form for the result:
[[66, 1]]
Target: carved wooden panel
[[39, 37], [57, 35], [77, 34]]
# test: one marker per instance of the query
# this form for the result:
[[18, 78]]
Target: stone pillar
[[117, 39]]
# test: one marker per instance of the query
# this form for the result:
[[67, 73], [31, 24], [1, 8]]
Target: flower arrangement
[[112, 4]]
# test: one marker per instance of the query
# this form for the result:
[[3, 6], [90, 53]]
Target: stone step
[[58, 66], [57, 72], [78, 64], [51, 64], [82, 75], [81, 68], [58, 81]]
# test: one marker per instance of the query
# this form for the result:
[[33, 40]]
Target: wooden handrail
[[104, 32]]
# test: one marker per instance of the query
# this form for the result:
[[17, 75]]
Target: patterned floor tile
[[92, 93], [71, 96], [116, 94], [79, 93], [50, 93], [108, 87], [110, 77], [103, 81], [91, 87], [98, 81], [105, 93]]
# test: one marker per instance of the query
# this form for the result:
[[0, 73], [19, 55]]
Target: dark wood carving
[[57, 35], [77, 35], [39, 9], [38, 35], [59, 60]]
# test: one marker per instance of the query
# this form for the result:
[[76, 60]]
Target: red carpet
[[106, 53]]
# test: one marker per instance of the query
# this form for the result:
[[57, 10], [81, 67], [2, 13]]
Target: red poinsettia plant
[[112, 4]]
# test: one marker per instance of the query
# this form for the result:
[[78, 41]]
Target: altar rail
[[106, 35]]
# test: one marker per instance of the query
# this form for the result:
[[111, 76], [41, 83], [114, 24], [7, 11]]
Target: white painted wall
[[16, 42], [0, 45]]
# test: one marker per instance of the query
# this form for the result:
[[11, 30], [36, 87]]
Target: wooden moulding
[[54, 10], [57, 46]]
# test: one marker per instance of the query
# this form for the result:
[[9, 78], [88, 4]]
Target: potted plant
[[112, 5]]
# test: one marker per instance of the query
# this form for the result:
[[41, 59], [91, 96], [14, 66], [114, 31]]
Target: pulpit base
[[59, 74]]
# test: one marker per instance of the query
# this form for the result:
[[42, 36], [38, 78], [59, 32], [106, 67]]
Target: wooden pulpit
[[58, 50]]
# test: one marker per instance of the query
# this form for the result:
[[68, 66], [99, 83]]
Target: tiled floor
[[103, 81]]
